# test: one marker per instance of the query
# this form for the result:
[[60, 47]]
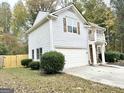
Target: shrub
[[26, 62], [35, 65], [121, 56], [3, 49], [52, 62], [112, 56]]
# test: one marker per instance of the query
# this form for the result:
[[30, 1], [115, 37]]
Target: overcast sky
[[12, 2], [107, 2]]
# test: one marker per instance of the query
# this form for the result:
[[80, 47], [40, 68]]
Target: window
[[40, 51], [38, 54], [70, 29], [32, 54], [99, 50], [73, 26], [74, 30], [90, 31]]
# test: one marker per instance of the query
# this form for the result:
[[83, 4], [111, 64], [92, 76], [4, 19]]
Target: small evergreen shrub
[[121, 56], [52, 62], [3, 49], [35, 65], [112, 56], [26, 62]]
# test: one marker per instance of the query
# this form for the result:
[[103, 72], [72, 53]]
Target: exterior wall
[[40, 38], [67, 39]]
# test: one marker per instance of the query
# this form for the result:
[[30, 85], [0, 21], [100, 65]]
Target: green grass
[[29, 81]]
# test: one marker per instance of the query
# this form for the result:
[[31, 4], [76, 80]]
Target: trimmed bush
[[52, 62], [26, 62], [3, 49], [112, 56], [121, 56], [35, 65]]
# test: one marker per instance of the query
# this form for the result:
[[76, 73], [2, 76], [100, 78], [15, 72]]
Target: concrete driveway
[[108, 74]]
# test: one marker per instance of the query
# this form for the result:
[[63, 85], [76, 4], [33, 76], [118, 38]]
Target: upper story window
[[74, 29], [70, 29], [71, 25], [100, 32]]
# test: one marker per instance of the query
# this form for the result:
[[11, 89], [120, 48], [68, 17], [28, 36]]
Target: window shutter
[[64, 25], [78, 27]]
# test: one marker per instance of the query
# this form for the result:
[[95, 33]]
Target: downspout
[[51, 35], [50, 18]]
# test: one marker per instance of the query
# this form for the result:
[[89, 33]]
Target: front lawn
[[29, 81]]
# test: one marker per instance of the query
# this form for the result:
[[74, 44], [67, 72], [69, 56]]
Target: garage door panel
[[74, 57]]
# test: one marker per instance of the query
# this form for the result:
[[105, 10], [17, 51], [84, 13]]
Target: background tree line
[[14, 23]]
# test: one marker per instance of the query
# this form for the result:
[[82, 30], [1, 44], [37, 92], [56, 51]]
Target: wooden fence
[[11, 61]]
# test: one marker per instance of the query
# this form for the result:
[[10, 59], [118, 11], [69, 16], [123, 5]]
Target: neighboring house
[[66, 31]]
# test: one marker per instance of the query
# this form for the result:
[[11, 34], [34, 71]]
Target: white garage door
[[74, 57]]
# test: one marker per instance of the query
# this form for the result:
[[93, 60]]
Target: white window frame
[[73, 24]]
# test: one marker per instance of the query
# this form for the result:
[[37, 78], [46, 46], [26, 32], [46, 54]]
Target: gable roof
[[53, 15], [72, 6]]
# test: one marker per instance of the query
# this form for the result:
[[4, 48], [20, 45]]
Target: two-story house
[[68, 32]]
